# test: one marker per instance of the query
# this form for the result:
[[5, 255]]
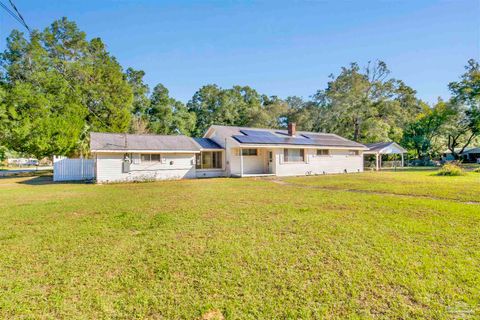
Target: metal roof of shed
[[385, 148]]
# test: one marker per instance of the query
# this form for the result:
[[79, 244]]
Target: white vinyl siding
[[175, 166], [338, 161]]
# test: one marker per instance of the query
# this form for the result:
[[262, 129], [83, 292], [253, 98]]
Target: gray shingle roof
[[275, 136], [121, 141], [132, 142]]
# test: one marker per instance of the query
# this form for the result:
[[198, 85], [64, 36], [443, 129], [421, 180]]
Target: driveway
[[4, 173]]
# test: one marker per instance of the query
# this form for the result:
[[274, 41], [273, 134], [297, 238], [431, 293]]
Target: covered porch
[[253, 161], [386, 148]]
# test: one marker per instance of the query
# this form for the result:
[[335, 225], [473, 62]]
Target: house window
[[198, 161], [323, 152], [294, 155], [249, 152], [353, 152], [155, 157], [209, 160]]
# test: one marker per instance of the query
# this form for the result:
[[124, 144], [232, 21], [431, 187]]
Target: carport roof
[[385, 148]]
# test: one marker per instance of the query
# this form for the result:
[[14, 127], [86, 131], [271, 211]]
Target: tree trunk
[[467, 143], [356, 130], [452, 143]]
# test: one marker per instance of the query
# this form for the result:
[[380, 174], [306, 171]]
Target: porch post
[[241, 162], [402, 159], [376, 161]]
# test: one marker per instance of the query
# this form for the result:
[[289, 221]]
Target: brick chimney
[[292, 130]]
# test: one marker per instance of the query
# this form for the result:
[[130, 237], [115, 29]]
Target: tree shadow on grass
[[38, 180], [48, 179]]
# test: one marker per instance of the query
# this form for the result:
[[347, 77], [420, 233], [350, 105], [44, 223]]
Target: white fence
[[65, 169]]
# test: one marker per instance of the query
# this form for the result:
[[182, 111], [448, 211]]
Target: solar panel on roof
[[316, 136], [273, 140], [207, 143], [295, 141], [257, 133]]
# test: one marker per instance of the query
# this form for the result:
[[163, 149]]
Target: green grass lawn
[[416, 183], [242, 248]]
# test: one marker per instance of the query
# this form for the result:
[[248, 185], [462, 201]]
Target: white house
[[223, 151], [471, 155]]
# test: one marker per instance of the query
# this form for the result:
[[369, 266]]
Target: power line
[[13, 15], [19, 15]]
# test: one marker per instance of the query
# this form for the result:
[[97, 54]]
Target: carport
[[384, 148]]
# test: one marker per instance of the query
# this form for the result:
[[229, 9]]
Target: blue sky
[[280, 48]]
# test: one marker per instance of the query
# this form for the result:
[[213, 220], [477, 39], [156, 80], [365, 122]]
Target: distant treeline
[[57, 86]]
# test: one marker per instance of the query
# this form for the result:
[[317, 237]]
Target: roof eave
[[259, 145], [211, 149], [142, 151]]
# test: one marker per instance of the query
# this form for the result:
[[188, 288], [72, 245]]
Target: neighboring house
[[468, 155], [223, 151]]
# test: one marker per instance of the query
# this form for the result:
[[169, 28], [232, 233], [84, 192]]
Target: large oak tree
[[463, 126], [60, 86], [366, 105]]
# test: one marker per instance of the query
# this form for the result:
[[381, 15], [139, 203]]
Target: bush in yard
[[450, 169], [477, 170]]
